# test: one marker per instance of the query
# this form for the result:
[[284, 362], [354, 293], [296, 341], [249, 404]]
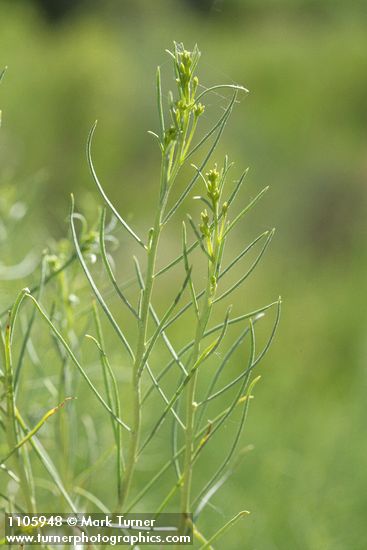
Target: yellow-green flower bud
[[205, 217], [186, 59], [212, 186], [204, 226], [199, 109], [213, 175], [181, 105]]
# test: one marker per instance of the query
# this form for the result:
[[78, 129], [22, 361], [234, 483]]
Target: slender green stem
[[173, 156], [190, 395], [112, 399], [140, 354], [10, 419]]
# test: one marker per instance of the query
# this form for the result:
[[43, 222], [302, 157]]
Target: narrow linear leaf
[[253, 314], [76, 362], [198, 237], [49, 278], [238, 399], [94, 286], [224, 272], [207, 135], [101, 190], [36, 428], [221, 86], [113, 399], [168, 344], [107, 265], [27, 335], [244, 211], [199, 434], [249, 271], [15, 310], [255, 363], [162, 322], [189, 270], [157, 320], [47, 463], [2, 73], [159, 104], [92, 499], [223, 529], [273, 332], [242, 254], [203, 404], [237, 187], [203, 356]]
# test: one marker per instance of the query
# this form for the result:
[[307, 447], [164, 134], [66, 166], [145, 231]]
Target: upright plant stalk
[[138, 365], [113, 399], [10, 420], [174, 143], [213, 232]]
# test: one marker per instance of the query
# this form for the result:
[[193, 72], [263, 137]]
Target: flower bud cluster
[[212, 185], [212, 227], [185, 108]]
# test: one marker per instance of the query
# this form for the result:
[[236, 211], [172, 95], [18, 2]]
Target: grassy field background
[[302, 130]]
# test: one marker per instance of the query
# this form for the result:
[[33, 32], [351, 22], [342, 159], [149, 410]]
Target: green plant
[[201, 260]]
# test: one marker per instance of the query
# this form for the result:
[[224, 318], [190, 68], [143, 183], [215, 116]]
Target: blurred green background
[[302, 130]]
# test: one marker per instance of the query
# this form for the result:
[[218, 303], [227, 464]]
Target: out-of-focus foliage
[[302, 129]]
